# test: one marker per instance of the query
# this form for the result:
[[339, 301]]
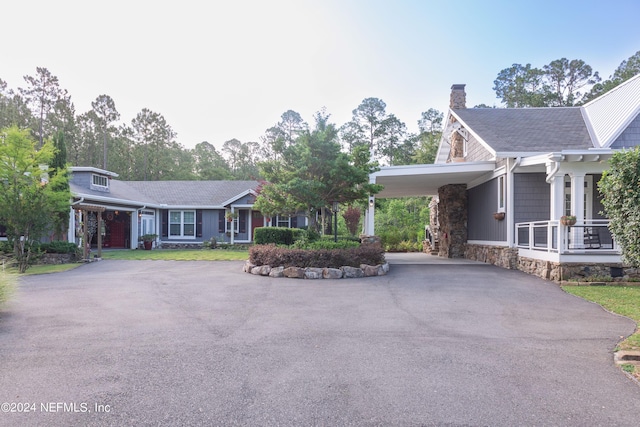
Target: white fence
[[590, 236]]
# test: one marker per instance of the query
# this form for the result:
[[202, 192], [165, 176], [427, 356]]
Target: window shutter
[[294, 222], [221, 221], [242, 217], [198, 222], [165, 223]]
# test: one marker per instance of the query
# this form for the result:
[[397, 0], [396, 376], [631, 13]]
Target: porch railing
[[589, 236]]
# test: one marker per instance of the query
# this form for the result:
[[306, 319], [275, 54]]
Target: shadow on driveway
[[201, 343]]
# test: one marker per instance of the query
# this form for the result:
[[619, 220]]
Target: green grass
[[178, 254], [45, 269], [7, 284], [624, 300]]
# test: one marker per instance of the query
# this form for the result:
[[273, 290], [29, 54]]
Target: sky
[[218, 70]]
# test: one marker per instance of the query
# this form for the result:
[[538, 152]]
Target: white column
[[557, 196], [369, 228], [71, 231], [577, 196]]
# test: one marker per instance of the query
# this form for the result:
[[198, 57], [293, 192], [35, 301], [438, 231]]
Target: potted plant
[[568, 220], [147, 240], [498, 216], [231, 216]]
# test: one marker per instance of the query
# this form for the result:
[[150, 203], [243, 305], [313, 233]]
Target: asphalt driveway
[[201, 343]]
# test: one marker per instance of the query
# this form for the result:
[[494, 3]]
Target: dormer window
[[100, 181]]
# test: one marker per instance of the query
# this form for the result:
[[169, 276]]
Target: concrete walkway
[[201, 343], [416, 258]]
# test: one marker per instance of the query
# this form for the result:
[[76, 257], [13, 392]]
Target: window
[[501, 193], [100, 180], [588, 196], [283, 221], [182, 224]]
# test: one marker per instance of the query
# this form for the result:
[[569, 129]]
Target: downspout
[[72, 221], [511, 217], [140, 218]]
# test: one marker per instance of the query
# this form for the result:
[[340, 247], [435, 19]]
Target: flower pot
[[498, 216], [568, 221], [147, 245]]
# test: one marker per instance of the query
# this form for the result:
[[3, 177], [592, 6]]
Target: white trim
[[475, 135], [92, 169], [488, 243], [182, 224], [239, 196], [487, 177]]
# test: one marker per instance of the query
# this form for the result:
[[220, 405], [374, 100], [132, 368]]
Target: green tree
[[626, 70], [13, 109], [620, 189], [367, 126], [209, 164], [430, 125], [312, 174], [556, 84], [106, 113], [155, 144], [277, 138], [41, 94], [30, 194], [242, 158]]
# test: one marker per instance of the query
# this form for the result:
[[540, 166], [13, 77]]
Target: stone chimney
[[458, 99]]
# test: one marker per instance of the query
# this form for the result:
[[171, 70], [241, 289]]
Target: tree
[[430, 126], [209, 164], [277, 138], [556, 84], [626, 70], [620, 191], [242, 158], [42, 93], [30, 194], [106, 113], [566, 78], [13, 109], [312, 174], [366, 126], [156, 140]]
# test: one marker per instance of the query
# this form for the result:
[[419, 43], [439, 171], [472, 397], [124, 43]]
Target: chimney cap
[[458, 87]]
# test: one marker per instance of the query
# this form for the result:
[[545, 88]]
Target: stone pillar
[[452, 217]]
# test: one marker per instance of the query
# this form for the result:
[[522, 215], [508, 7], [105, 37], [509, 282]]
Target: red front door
[[257, 220]]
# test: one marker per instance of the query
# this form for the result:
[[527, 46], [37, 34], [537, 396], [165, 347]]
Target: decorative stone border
[[345, 272]]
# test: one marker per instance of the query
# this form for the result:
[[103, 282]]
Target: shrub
[[6, 247], [58, 247], [274, 235], [323, 258]]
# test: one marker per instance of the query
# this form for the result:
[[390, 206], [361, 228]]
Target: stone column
[[452, 217]]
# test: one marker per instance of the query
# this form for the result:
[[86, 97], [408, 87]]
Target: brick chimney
[[458, 99]]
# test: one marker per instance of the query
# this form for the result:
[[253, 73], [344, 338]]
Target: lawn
[[624, 300], [178, 254]]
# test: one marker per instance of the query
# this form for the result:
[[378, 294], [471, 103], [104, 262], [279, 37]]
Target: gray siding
[[476, 151], [531, 197], [81, 179], [630, 137], [483, 202]]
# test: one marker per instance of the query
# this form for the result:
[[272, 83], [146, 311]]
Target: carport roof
[[424, 180]]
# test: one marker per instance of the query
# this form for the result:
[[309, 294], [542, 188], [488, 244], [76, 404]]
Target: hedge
[[322, 258]]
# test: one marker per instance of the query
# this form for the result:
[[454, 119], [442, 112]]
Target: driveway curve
[[201, 343]]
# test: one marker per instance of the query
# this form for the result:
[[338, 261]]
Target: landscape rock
[[369, 270], [277, 272], [261, 270], [313, 273], [294, 272], [248, 267], [332, 273], [351, 272]]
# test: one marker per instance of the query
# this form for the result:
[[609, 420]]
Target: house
[[180, 213], [503, 178]]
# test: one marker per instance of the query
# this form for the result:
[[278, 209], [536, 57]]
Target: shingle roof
[[192, 193], [527, 129], [117, 190]]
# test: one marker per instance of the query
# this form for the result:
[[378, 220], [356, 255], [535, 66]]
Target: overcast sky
[[218, 70]]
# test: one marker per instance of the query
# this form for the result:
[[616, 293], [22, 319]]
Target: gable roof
[[193, 193], [610, 114], [527, 130]]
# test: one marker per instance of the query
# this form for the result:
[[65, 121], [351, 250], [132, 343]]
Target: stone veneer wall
[[508, 258], [452, 218], [497, 255]]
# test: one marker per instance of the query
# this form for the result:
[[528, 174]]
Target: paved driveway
[[199, 343]]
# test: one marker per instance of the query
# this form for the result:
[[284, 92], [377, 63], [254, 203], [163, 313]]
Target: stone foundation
[[170, 245], [452, 220], [54, 259], [508, 258], [496, 255]]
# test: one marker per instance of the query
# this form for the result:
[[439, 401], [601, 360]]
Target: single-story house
[[180, 213], [504, 177]]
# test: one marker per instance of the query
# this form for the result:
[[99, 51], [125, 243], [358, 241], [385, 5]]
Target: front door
[[257, 220]]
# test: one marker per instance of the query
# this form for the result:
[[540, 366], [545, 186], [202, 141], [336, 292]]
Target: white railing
[[589, 236]]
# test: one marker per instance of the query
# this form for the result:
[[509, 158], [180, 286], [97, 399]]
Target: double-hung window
[[182, 224]]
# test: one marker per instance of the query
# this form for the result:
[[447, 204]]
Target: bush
[[325, 244], [58, 247], [5, 247], [274, 235], [322, 258]]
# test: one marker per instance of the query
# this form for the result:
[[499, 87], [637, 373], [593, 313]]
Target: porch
[[586, 240]]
